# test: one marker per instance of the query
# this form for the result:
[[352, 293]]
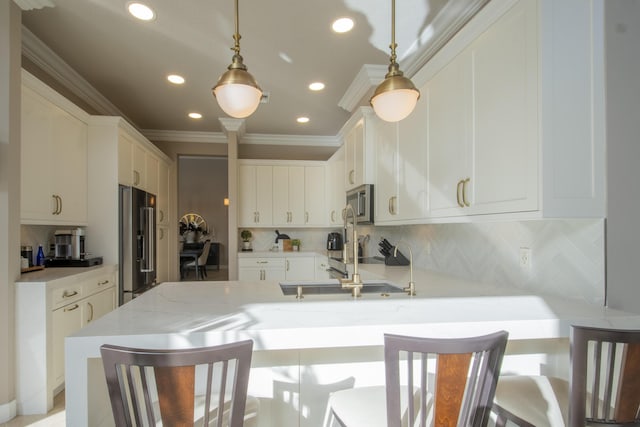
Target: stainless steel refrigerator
[[137, 254]]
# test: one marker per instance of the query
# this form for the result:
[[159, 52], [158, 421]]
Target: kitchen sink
[[328, 288]]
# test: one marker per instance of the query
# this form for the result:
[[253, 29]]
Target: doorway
[[203, 215]]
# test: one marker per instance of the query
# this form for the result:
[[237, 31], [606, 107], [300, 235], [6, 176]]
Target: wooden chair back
[[466, 374], [605, 377], [187, 387]]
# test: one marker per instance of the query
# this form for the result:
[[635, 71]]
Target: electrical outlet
[[525, 258]]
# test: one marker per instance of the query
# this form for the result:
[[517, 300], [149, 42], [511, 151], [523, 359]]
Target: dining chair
[[429, 381], [186, 387], [604, 385], [202, 261]]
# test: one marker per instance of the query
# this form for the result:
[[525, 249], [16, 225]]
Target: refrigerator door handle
[[148, 245]]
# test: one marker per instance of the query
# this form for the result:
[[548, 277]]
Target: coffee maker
[[69, 244], [334, 242]]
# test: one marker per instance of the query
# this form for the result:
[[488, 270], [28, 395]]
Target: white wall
[[10, 48], [622, 25]]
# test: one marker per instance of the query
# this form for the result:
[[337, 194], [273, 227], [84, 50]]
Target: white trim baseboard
[[8, 411]]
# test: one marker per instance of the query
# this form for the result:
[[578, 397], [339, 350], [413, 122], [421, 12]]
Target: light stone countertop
[[195, 314], [50, 274]]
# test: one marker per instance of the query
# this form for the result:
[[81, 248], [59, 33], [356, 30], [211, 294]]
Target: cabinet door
[[255, 195], [314, 195], [296, 190], [99, 304], [64, 322], [335, 189], [70, 167], [322, 267], [36, 197], [152, 166], [354, 155], [413, 197], [448, 97], [505, 99], [300, 268], [162, 254], [139, 167], [274, 274], [125, 159], [387, 182], [163, 194], [281, 213]]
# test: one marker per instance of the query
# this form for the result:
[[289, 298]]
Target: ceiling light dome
[[237, 92]]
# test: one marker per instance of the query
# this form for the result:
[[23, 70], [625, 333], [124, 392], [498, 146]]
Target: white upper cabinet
[[255, 192], [482, 127], [314, 196], [401, 173], [288, 195], [513, 122], [281, 193], [359, 148], [53, 157], [335, 189]]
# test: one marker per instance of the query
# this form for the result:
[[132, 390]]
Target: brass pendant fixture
[[237, 92], [396, 97]]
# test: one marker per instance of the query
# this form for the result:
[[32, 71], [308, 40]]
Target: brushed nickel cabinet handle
[[458, 188], [464, 192], [73, 307]]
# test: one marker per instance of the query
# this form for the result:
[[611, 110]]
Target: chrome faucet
[[355, 284], [411, 289]]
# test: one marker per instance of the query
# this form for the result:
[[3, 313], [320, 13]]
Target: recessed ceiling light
[[195, 115], [342, 25], [141, 11], [175, 79], [302, 119], [316, 86]]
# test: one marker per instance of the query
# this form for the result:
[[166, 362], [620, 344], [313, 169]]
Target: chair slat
[[451, 380], [628, 396], [176, 394]]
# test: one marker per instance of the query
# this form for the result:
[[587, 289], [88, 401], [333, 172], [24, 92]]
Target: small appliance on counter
[[334, 242], [69, 250]]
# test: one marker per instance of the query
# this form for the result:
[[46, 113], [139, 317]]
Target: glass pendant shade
[[237, 93], [395, 98]]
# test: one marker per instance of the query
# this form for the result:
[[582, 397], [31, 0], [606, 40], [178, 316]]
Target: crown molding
[[448, 22], [369, 76], [33, 4], [50, 63], [184, 136], [309, 140]]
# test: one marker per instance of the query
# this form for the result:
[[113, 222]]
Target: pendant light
[[396, 97], [237, 92]]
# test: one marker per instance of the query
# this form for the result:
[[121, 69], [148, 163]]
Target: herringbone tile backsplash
[[567, 256]]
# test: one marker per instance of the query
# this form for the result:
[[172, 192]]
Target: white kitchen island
[[303, 349]]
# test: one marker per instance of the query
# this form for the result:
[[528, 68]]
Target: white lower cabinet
[[322, 267], [300, 268], [281, 267], [47, 311], [252, 269]]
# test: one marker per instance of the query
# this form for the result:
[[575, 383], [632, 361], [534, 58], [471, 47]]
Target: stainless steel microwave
[[361, 200]]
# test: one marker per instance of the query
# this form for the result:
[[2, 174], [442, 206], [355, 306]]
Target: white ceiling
[[286, 45]]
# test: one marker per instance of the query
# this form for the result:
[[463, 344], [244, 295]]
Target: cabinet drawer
[[66, 294], [261, 262], [98, 283]]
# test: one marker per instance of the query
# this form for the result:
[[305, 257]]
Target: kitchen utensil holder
[[400, 259]]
